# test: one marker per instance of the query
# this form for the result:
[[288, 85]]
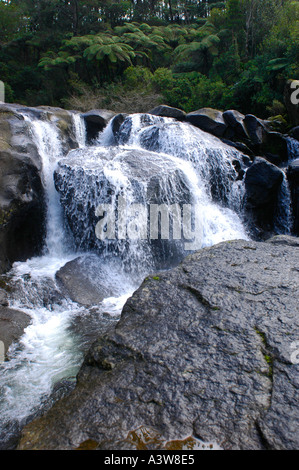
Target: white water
[[80, 129], [199, 156], [293, 148], [51, 349]]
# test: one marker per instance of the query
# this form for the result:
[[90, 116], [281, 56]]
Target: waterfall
[[80, 129], [284, 219], [150, 162], [52, 347], [48, 141]]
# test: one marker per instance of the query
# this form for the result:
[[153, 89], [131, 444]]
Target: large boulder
[[22, 198], [205, 350], [234, 121], [209, 120], [12, 325], [21, 191], [263, 183], [168, 111], [83, 281], [255, 129], [275, 148]]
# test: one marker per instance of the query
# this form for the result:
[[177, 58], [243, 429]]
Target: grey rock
[[283, 240], [203, 350], [83, 281], [12, 325]]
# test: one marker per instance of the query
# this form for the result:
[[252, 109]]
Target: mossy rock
[[279, 123]]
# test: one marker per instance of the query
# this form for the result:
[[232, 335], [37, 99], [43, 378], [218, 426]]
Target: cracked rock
[[203, 350]]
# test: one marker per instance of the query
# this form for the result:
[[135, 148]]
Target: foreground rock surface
[[203, 350]]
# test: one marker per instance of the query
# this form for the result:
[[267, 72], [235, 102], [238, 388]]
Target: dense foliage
[[131, 55]]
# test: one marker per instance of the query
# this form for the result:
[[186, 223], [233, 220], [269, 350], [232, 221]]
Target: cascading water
[[51, 349], [80, 129], [150, 161], [284, 217], [293, 148]]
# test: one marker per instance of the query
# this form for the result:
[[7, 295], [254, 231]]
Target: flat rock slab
[[83, 281], [205, 350]]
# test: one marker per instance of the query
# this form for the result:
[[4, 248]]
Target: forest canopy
[[131, 55]]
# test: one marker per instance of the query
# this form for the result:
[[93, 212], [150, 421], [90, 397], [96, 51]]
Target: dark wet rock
[[234, 120], [22, 203], [275, 147], [295, 133], [209, 120], [293, 178], [3, 298], [122, 132], [83, 282], [96, 120], [203, 350], [21, 192], [168, 111], [255, 129], [12, 325], [263, 182], [239, 146], [116, 123]]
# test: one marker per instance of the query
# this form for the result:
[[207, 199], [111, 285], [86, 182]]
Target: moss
[[156, 278], [4, 284], [262, 335], [5, 216], [90, 444], [268, 358]]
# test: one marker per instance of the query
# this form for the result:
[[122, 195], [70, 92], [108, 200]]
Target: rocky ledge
[[205, 350]]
